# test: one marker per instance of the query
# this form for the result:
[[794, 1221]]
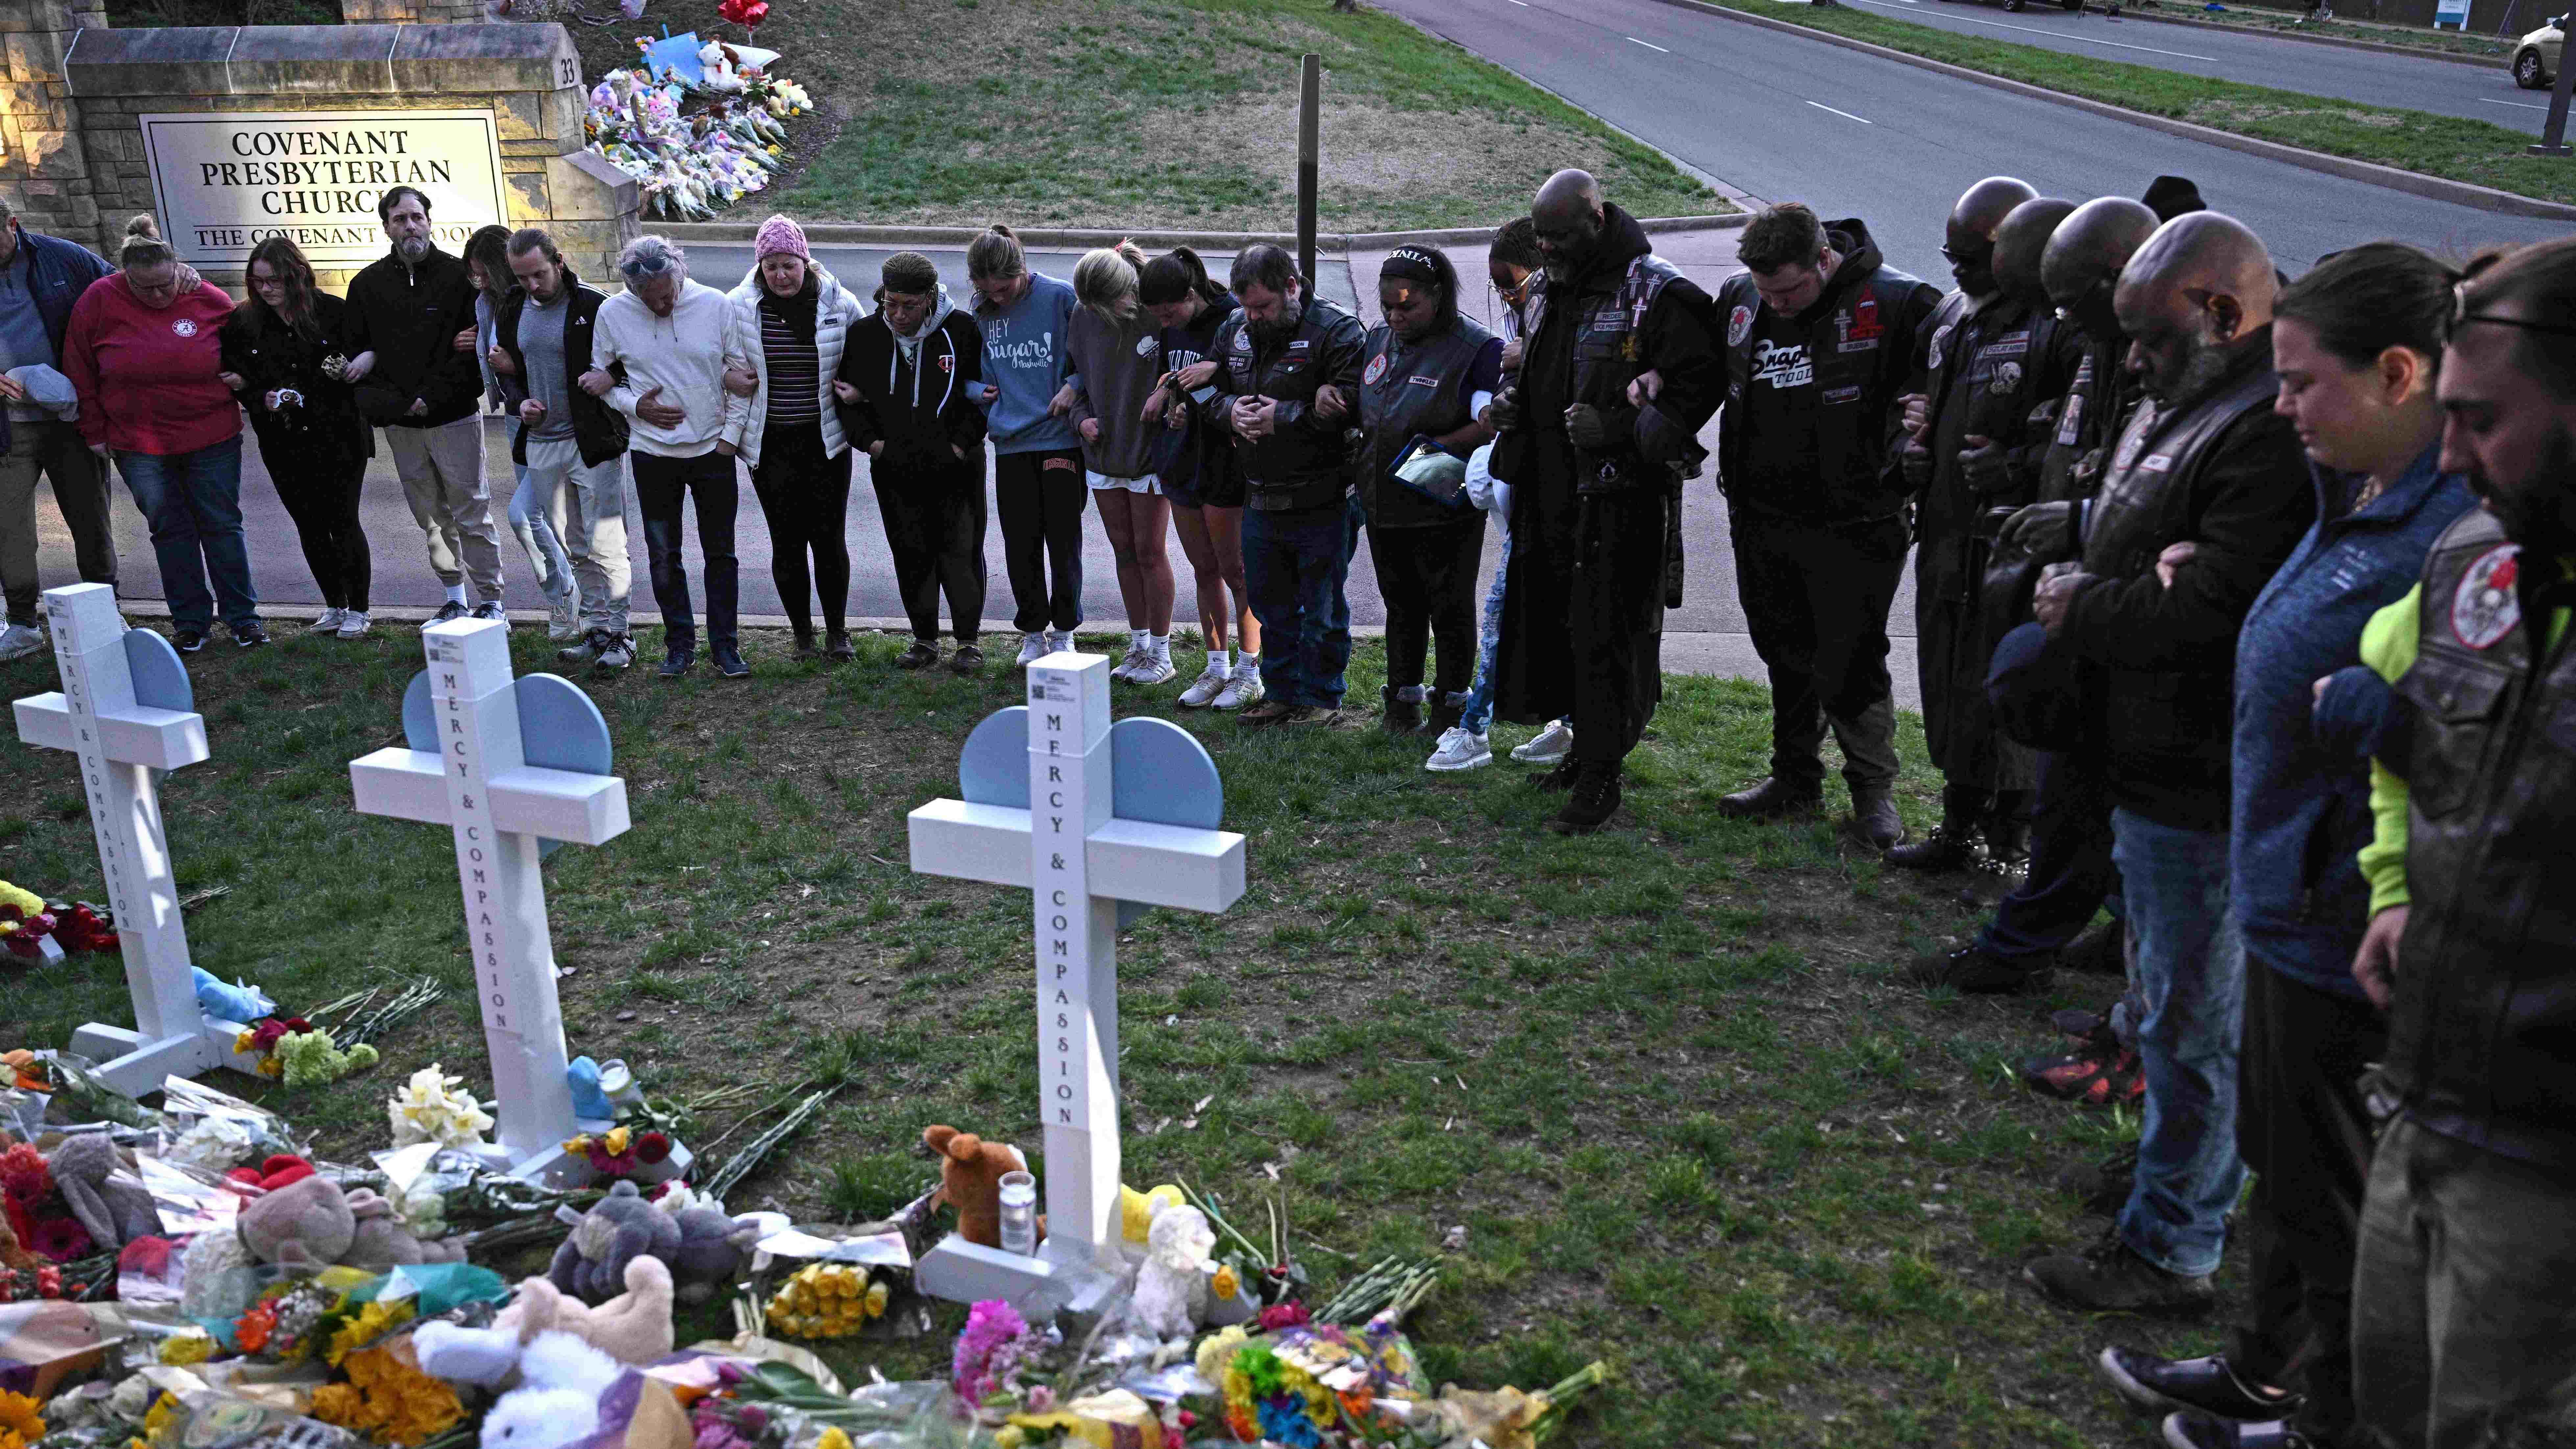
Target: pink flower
[[60, 1238], [1283, 1315]]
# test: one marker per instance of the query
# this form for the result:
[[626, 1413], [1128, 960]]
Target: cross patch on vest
[[2485, 608], [1376, 369], [1739, 325]]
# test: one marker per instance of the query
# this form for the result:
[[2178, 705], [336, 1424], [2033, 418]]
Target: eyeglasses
[[1975, 258], [2461, 317]]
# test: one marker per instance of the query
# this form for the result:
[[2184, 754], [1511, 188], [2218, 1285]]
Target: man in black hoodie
[[1593, 474], [1821, 336], [405, 311]]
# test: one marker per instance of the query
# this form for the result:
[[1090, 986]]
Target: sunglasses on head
[[2461, 317]]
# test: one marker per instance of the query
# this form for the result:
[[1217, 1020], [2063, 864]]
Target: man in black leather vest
[[1987, 362], [2464, 1293], [2075, 266], [1592, 474], [2206, 491], [1821, 337]]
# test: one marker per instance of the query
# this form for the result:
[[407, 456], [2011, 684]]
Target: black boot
[[2007, 832], [1874, 816], [1952, 845], [805, 643], [1444, 716], [1592, 801], [1771, 798], [1403, 716]]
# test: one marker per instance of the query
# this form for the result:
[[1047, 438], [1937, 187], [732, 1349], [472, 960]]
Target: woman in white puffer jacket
[[781, 418]]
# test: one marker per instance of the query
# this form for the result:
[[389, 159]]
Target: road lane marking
[[1846, 115], [1657, 49], [2062, 35], [2526, 105]]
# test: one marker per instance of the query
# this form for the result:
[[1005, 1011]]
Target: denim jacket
[[2302, 805]]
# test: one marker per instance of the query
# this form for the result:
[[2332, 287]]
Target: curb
[[719, 233], [2462, 193], [2383, 47]]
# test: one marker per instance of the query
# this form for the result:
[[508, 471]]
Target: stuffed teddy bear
[[561, 1380], [306, 1223], [633, 1328], [116, 1211], [220, 1277], [970, 1180], [382, 1241], [1172, 1283]]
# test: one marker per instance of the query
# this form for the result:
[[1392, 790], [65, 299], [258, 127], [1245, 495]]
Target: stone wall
[[74, 162]]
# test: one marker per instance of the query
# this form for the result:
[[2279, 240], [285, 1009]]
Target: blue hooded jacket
[[2302, 806]]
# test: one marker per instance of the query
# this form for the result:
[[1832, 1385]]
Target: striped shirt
[[795, 369]]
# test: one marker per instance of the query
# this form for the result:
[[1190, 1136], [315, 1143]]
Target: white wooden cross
[[1083, 845], [471, 774], [123, 744]]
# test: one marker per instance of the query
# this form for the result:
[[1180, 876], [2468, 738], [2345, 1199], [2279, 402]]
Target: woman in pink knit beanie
[[791, 318]]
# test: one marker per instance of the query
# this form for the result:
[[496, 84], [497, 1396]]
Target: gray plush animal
[[703, 1248], [114, 1212]]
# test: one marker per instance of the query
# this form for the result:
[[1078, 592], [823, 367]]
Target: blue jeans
[[2191, 971], [1294, 564], [193, 502], [546, 555], [1478, 711]]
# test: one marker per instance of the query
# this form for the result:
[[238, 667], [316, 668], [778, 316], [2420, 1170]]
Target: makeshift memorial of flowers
[[35, 929], [696, 141]]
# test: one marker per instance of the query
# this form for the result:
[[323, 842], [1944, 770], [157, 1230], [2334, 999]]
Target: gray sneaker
[[1551, 746], [617, 653], [17, 641], [491, 609], [563, 618], [448, 611], [588, 650]]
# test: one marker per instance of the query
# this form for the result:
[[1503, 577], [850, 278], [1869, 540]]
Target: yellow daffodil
[[617, 1141]]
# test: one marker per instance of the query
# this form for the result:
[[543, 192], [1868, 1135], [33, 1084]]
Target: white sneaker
[[1459, 750], [563, 619], [329, 622], [17, 641], [1241, 688], [1211, 680], [353, 625], [1125, 673], [1152, 668], [1058, 641], [1033, 647], [1552, 745]]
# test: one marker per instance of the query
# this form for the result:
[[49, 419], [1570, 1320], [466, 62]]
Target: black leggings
[[1427, 577], [324, 504], [934, 523], [806, 499], [1041, 510]]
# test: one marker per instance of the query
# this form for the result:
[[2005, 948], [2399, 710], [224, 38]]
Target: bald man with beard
[[2203, 462], [1593, 474]]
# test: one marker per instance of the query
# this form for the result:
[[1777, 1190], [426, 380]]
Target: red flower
[[652, 1148], [80, 929], [61, 1239], [611, 1165], [1283, 1315], [31, 929], [24, 1177]]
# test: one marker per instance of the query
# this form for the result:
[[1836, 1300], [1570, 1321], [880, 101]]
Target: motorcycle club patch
[[2485, 608], [1243, 340], [1739, 325], [1376, 370], [1864, 325], [2007, 376]]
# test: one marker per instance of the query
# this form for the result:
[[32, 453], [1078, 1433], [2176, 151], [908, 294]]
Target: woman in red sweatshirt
[[144, 351]]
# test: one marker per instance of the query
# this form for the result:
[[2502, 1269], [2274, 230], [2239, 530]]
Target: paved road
[[1785, 117], [2480, 92]]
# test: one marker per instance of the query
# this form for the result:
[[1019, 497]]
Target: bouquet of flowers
[[621, 1151], [433, 1107], [689, 164]]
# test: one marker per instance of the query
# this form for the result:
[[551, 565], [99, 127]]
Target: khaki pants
[[586, 506], [442, 478], [80, 492]]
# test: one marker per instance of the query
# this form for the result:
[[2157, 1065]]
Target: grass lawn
[[1666, 1078], [2287, 22], [2447, 146], [1158, 113]]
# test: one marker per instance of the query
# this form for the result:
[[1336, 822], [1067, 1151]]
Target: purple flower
[[990, 1326]]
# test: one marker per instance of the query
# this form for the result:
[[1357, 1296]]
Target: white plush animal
[[1172, 1283], [557, 1400]]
